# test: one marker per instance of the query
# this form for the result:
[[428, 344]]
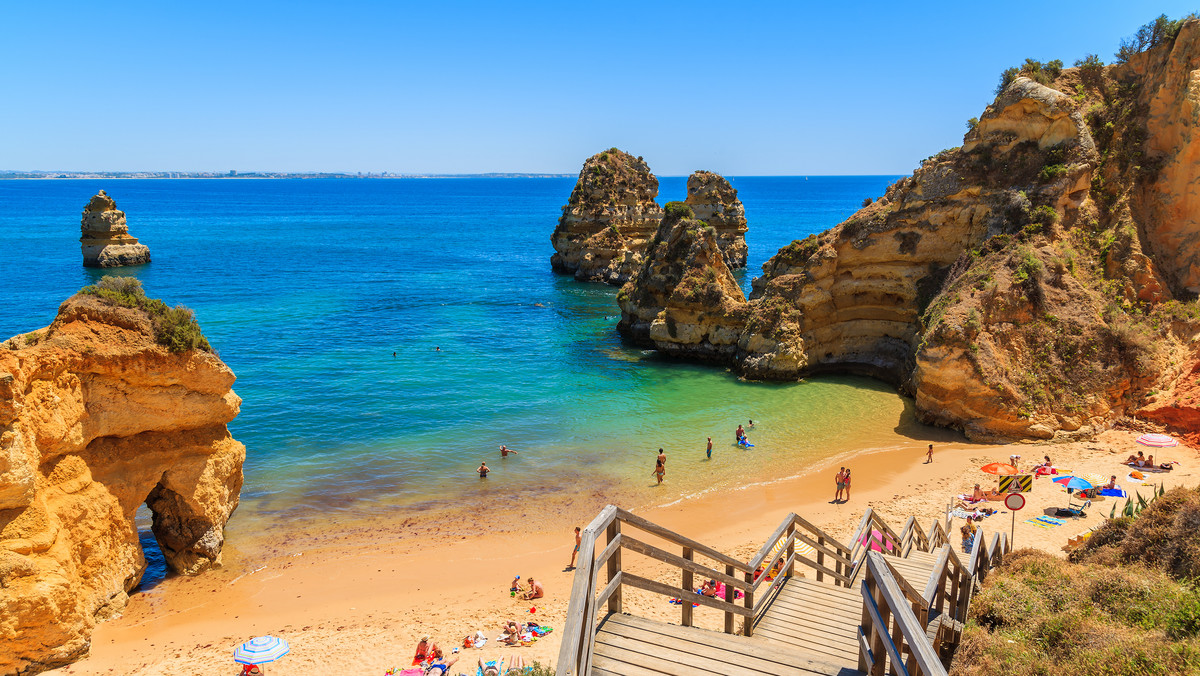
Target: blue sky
[[788, 88]]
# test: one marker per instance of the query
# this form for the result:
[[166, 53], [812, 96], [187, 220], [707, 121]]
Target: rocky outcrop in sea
[[106, 241], [612, 214], [1038, 281], [96, 419]]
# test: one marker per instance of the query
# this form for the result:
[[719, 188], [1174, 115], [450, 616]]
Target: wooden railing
[[602, 576], [830, 559]]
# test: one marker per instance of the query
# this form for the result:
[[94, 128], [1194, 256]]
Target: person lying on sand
[[518, 665], [489, 668], [439, 666], [535, 590]]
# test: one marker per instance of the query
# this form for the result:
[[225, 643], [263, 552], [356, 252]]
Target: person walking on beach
[[846, 485], [483, 470], [571, 565], [929, 455], [841, 486], [709, 448]]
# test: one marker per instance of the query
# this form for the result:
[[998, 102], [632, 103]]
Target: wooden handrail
[[883, 598], [680, 562], [766, 548], [655, 529]]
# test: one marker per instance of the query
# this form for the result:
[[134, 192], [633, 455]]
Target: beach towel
[[1044, 522]]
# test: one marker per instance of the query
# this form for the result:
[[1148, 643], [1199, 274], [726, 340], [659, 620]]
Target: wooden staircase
[[888, 603]]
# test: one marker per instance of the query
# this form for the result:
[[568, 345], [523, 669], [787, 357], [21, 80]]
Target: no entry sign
[[1014, 501]]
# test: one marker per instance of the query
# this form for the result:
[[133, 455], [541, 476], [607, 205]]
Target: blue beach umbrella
[[261, 650], [1074, 483]]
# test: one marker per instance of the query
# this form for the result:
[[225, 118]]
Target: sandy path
[[356, 600]]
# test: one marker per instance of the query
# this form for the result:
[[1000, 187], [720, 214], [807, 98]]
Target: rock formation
[[1022, 285], [96, 418], [612, 214], [106, 241], [716, 203], [688, 302]]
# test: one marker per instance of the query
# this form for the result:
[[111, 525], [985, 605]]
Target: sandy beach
[[355, 598]]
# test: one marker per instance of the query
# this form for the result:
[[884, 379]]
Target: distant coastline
[[42, 175]]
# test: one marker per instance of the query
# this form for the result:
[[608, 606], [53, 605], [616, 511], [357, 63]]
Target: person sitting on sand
[[535, 590], [425, 650], [709, 589], [510, 627], [1112, 482], [516, 584], [252, 670], [1135, 459], [1149, 461]]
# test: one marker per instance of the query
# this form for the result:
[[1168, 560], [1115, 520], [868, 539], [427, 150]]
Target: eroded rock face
[[714, 201], [684, 300], [1022, 285], [95, 420], [612, 215], [106, 241], [1168, 207], [608, 219]]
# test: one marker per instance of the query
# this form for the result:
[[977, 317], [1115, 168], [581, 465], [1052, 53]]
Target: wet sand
[[355, 596]]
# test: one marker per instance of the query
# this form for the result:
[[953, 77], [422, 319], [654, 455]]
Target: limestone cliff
[[716, 203], [612, 214], [687, 301], [1022, 285], [106, 241], [97, 418], [608, 219]]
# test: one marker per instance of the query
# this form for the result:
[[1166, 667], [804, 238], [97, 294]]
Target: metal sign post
[[1014, 502]]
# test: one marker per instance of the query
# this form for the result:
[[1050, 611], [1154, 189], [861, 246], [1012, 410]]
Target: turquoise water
[[307, 287]]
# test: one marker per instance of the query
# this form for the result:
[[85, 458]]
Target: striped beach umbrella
[[261, 650], [1157, 440]]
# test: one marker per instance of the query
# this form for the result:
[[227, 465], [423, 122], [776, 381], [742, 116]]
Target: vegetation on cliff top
[[1127, 604], [175, 328]]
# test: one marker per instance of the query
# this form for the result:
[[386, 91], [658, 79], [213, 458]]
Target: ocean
[[306, 288]]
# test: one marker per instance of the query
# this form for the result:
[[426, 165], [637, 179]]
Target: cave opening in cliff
[[156, 563]]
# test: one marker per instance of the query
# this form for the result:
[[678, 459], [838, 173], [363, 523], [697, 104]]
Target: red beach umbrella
[[999, 469], [1157, 440]]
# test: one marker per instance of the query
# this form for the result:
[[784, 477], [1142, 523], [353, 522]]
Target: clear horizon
[[774, 90]]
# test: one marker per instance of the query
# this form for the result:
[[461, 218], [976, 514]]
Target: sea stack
[[612, 214], [714, 201], [106, 242]]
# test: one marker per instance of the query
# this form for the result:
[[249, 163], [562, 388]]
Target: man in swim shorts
[[576, 550], [710, 448], [840, 485]]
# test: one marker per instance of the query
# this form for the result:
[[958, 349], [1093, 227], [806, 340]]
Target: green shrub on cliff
[[678, 210], [174, 327], [1149, 36]]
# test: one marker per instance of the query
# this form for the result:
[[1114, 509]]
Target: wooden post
[[881, 656], [614, 566], [820, 558], [688, 590], [791, 549], [729, 591], [867, 624], [748, 623]]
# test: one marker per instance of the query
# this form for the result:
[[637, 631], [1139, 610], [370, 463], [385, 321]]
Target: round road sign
[[1014, 501]]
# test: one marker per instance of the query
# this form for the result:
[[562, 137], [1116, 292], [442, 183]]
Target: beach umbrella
[[1073, 483], [1157, 440], [999, 469], [261, 650]]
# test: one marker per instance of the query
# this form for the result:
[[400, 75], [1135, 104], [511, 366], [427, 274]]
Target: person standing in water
[[740, 434], [505, 451], [660, 466], [483, 470], [709, 448]]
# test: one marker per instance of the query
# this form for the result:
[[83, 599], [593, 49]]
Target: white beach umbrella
[[1157, 440], [261, 650]]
